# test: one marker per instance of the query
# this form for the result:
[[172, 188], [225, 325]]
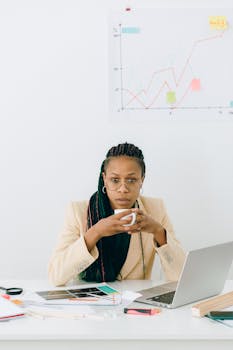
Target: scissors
[[12, 291]]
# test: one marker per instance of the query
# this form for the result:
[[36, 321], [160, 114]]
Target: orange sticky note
[[17, 301]]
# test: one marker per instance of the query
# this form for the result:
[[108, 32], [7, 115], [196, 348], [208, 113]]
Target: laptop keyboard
[[166, 298]]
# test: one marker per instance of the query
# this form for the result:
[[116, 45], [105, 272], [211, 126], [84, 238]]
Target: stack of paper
[[9, 310], [101, 294]]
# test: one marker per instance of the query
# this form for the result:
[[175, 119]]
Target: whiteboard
[[171, 64]]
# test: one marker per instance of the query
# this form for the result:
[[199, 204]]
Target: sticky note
[[107, 289], [130, 30], [218, 22], [171, 97], [195, 84]]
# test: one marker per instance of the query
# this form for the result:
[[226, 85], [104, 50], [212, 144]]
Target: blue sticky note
[[130, 30], [107, 289]]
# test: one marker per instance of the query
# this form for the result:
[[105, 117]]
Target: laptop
[[203, 275]]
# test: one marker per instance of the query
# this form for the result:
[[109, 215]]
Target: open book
[[100, 294]]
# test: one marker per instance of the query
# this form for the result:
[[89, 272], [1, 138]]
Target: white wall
[[55, 131]]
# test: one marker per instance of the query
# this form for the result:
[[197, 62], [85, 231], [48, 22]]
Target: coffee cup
[[132, 215]]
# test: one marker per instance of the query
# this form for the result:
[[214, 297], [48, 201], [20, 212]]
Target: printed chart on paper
[[171, 64]]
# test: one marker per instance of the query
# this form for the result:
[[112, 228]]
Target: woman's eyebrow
[[116, 174]]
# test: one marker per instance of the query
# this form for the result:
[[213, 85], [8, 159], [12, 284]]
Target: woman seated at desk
[[95, 244]]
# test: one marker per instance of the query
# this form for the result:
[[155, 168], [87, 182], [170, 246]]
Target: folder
[[216, 303]]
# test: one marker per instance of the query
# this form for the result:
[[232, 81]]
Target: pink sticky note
[[195, 84]]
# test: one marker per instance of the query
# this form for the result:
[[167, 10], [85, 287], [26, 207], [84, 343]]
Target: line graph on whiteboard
[[171, 64]]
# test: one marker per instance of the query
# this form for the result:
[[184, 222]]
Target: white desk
[[172, 329]]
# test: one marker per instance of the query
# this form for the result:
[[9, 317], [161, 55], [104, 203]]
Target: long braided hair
[[113, 249]]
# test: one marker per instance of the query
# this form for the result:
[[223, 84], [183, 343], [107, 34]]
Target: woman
[[95, 244]]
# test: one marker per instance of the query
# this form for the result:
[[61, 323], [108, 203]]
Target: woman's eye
[[131, 181], [114, 180]]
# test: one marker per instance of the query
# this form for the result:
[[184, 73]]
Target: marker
[[142, 312], [5, 296]]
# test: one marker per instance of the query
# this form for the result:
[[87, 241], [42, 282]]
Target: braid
[[128, 150], [99, 207], [125, 149]]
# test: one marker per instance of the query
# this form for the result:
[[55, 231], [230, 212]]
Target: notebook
[[203, 275]]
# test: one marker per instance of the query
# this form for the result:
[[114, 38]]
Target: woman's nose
[[123, 187]]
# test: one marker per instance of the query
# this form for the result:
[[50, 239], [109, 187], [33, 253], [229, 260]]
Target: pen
[[220, 321], [144, 312]]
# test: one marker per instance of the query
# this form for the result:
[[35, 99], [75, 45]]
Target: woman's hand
[[113, 224], [106, 227], [147, 224]]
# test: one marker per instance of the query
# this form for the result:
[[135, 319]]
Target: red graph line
[[157, 72], [159, 92], [141, 102], [135, 97], [182, 98], [177, 81], [192, 50]]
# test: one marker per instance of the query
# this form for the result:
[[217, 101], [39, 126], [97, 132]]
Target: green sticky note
[[171, 97]]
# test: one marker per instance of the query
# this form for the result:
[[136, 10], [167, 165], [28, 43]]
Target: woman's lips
[[123, 200]]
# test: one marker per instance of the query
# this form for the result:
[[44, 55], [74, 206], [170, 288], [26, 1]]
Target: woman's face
[[123, 180]]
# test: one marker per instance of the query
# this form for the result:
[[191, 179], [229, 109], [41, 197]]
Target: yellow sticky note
[[218, 22], [171, 97]]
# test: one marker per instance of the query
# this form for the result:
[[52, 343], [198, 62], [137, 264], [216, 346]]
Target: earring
[[141, 190], [104, 190]]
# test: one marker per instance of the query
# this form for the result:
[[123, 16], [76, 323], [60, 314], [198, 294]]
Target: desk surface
[[176, 324]]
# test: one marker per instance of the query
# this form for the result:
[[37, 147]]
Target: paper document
[[101, 294], [8, 309]]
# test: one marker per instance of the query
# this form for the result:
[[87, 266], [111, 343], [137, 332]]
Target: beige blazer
[[71, 255]]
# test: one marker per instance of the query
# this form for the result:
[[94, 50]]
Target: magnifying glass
[[12, 291]]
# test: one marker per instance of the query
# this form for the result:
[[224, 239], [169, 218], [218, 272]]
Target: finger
[[123, 228], [132, 232], [137, 211], [139, 218], [136, 227], [126, 221]]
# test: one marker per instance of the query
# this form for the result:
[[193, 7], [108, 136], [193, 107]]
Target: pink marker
[[142, 312], [6, 296]]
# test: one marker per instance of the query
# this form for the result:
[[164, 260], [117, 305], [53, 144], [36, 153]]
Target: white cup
[[133, 215]]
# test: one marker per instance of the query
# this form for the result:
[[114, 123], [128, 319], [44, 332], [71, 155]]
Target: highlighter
[[142, 312]]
